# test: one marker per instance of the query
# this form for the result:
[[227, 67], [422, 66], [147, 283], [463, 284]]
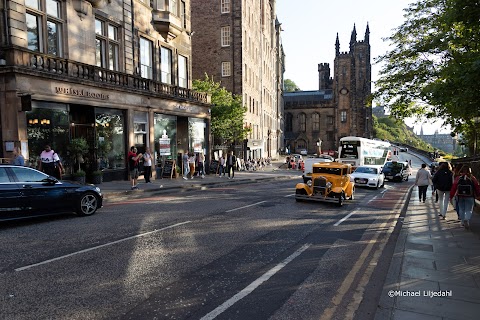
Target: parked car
[[303, 152], [26, 192], [396, 171], [368, 176], [308, 166], [330, 183], [403, 149]]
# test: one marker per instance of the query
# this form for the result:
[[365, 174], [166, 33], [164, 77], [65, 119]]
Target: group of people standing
[[227, 163], [459, 187], [191, 161]]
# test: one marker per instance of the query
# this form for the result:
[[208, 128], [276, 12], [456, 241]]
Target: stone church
[[316, 120]]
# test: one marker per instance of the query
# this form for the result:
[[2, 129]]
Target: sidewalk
[[115, 190], [433, 257]]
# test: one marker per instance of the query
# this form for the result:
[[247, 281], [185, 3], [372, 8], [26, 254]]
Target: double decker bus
[[359, 151]]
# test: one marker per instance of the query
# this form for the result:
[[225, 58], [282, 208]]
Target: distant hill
[[386, 128]]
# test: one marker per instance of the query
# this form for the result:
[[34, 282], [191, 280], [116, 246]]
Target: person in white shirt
[[423, 180], [147, 165]]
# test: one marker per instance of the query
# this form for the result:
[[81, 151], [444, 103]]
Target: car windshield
[[335, 171], [366, 170], [394, 165]]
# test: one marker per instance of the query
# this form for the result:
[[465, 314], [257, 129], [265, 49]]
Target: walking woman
[[443, 181], [423, 180], [466, 189]]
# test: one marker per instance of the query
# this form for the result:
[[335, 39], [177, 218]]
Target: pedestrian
[[231, 163], [433, 170], [221, 166], [147, 165], [423, 180], [466, 188], [191, 164], [133, 160], [443, 181], [456, 174], [50, 163], [186, 167], [18, 159], [201, 165]]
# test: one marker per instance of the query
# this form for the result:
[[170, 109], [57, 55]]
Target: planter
[[97, 179], [80, 179]]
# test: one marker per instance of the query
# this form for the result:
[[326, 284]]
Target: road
[[240, 252]]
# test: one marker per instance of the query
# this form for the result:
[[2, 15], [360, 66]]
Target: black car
[[26, 193], [396, 171]]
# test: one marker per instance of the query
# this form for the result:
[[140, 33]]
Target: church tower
[[352, 87]]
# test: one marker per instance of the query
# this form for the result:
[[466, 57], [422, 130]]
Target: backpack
[[465, 187]]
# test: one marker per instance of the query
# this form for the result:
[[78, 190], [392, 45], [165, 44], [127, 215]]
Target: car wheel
[[352, 197], [378, 185], [340, 200], [87, 204], [300, 192]]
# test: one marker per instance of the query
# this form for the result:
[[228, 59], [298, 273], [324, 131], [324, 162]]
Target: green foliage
[[290, 86], [433, 70], [79, 173], [393, 130], [227, 111], [78, 146]]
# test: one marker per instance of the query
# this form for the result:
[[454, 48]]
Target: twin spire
[[353, 39]]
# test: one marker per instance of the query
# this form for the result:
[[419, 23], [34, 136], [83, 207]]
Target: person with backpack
[[443, 181], [466, 189]]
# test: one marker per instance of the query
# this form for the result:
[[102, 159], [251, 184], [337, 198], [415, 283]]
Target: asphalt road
[[242, 252]]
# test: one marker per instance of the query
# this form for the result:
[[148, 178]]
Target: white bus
[[359, 151]]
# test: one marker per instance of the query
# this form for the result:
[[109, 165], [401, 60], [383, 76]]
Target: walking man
[[231, 162]]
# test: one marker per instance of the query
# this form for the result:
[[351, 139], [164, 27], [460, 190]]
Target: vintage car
[[330, 183]]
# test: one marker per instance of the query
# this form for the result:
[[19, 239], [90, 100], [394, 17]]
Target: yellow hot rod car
[[330, 183]]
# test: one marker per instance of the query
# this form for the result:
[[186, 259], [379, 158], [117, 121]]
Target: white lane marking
[[250, 205], [344, 218], [289, 195], [100, 246], [242, 294]]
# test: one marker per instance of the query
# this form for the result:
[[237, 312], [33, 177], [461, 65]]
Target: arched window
[[289, 123], [316, 122], [302, 121]]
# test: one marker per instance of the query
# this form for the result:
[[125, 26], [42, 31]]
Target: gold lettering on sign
[[81, 93]]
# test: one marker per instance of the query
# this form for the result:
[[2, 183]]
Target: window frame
[[343, 116], [166, 75], [315, 122], [183, 79], [42, 20], [225, 6], [108, 42], [225, 36], [302, 122], [141, 61], [226, 69]]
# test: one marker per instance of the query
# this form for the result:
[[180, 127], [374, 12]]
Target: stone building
[[318, 119], [238, 44], [441, 141], [116, 72]]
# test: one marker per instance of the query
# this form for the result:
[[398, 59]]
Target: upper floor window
[[316, 122], [174, 7], [183, 14], [159, 4], [289, 123], [146, 58], [182, 72], [225, 6], [166, 65], [302, 121], [45, 23], [343, 116], [106, 45], [226, 72], [329, 120], [225, 36]]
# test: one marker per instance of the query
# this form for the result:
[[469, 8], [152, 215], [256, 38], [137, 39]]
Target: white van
[[308, 166]]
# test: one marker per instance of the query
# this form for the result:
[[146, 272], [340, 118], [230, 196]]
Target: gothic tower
[[352, 87]]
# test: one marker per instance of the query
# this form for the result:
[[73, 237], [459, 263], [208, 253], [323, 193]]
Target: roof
[[331, 165]]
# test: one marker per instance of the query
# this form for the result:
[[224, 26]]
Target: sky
[[310, 29]]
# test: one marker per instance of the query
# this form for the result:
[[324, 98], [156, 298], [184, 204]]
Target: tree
[[290, 86], [227, 111], [433, 70]]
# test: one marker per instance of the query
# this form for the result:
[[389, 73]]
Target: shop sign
[[164, 143], [197, 145], [81, 93]]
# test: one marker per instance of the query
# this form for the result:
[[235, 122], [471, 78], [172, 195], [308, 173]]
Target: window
[[316, 122], [182, 72], [302, 122], [44, 26], [225, 6], [166, 65], [107, 45], [110, 136], [289, 123], [146, 62], [183, 14], [226, 69], [225, 36], [343, 116], [329, 120], [174, 7], [159, 5]]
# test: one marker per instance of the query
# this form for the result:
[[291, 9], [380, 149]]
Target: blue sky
[[310, 28]]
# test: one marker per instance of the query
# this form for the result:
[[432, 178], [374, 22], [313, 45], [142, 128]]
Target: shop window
[[110, 136], [45, 25], [140, 125], [165, 136], [48, 123], [197, 132]]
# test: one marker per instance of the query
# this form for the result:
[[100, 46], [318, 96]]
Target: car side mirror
[[49, 181]]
